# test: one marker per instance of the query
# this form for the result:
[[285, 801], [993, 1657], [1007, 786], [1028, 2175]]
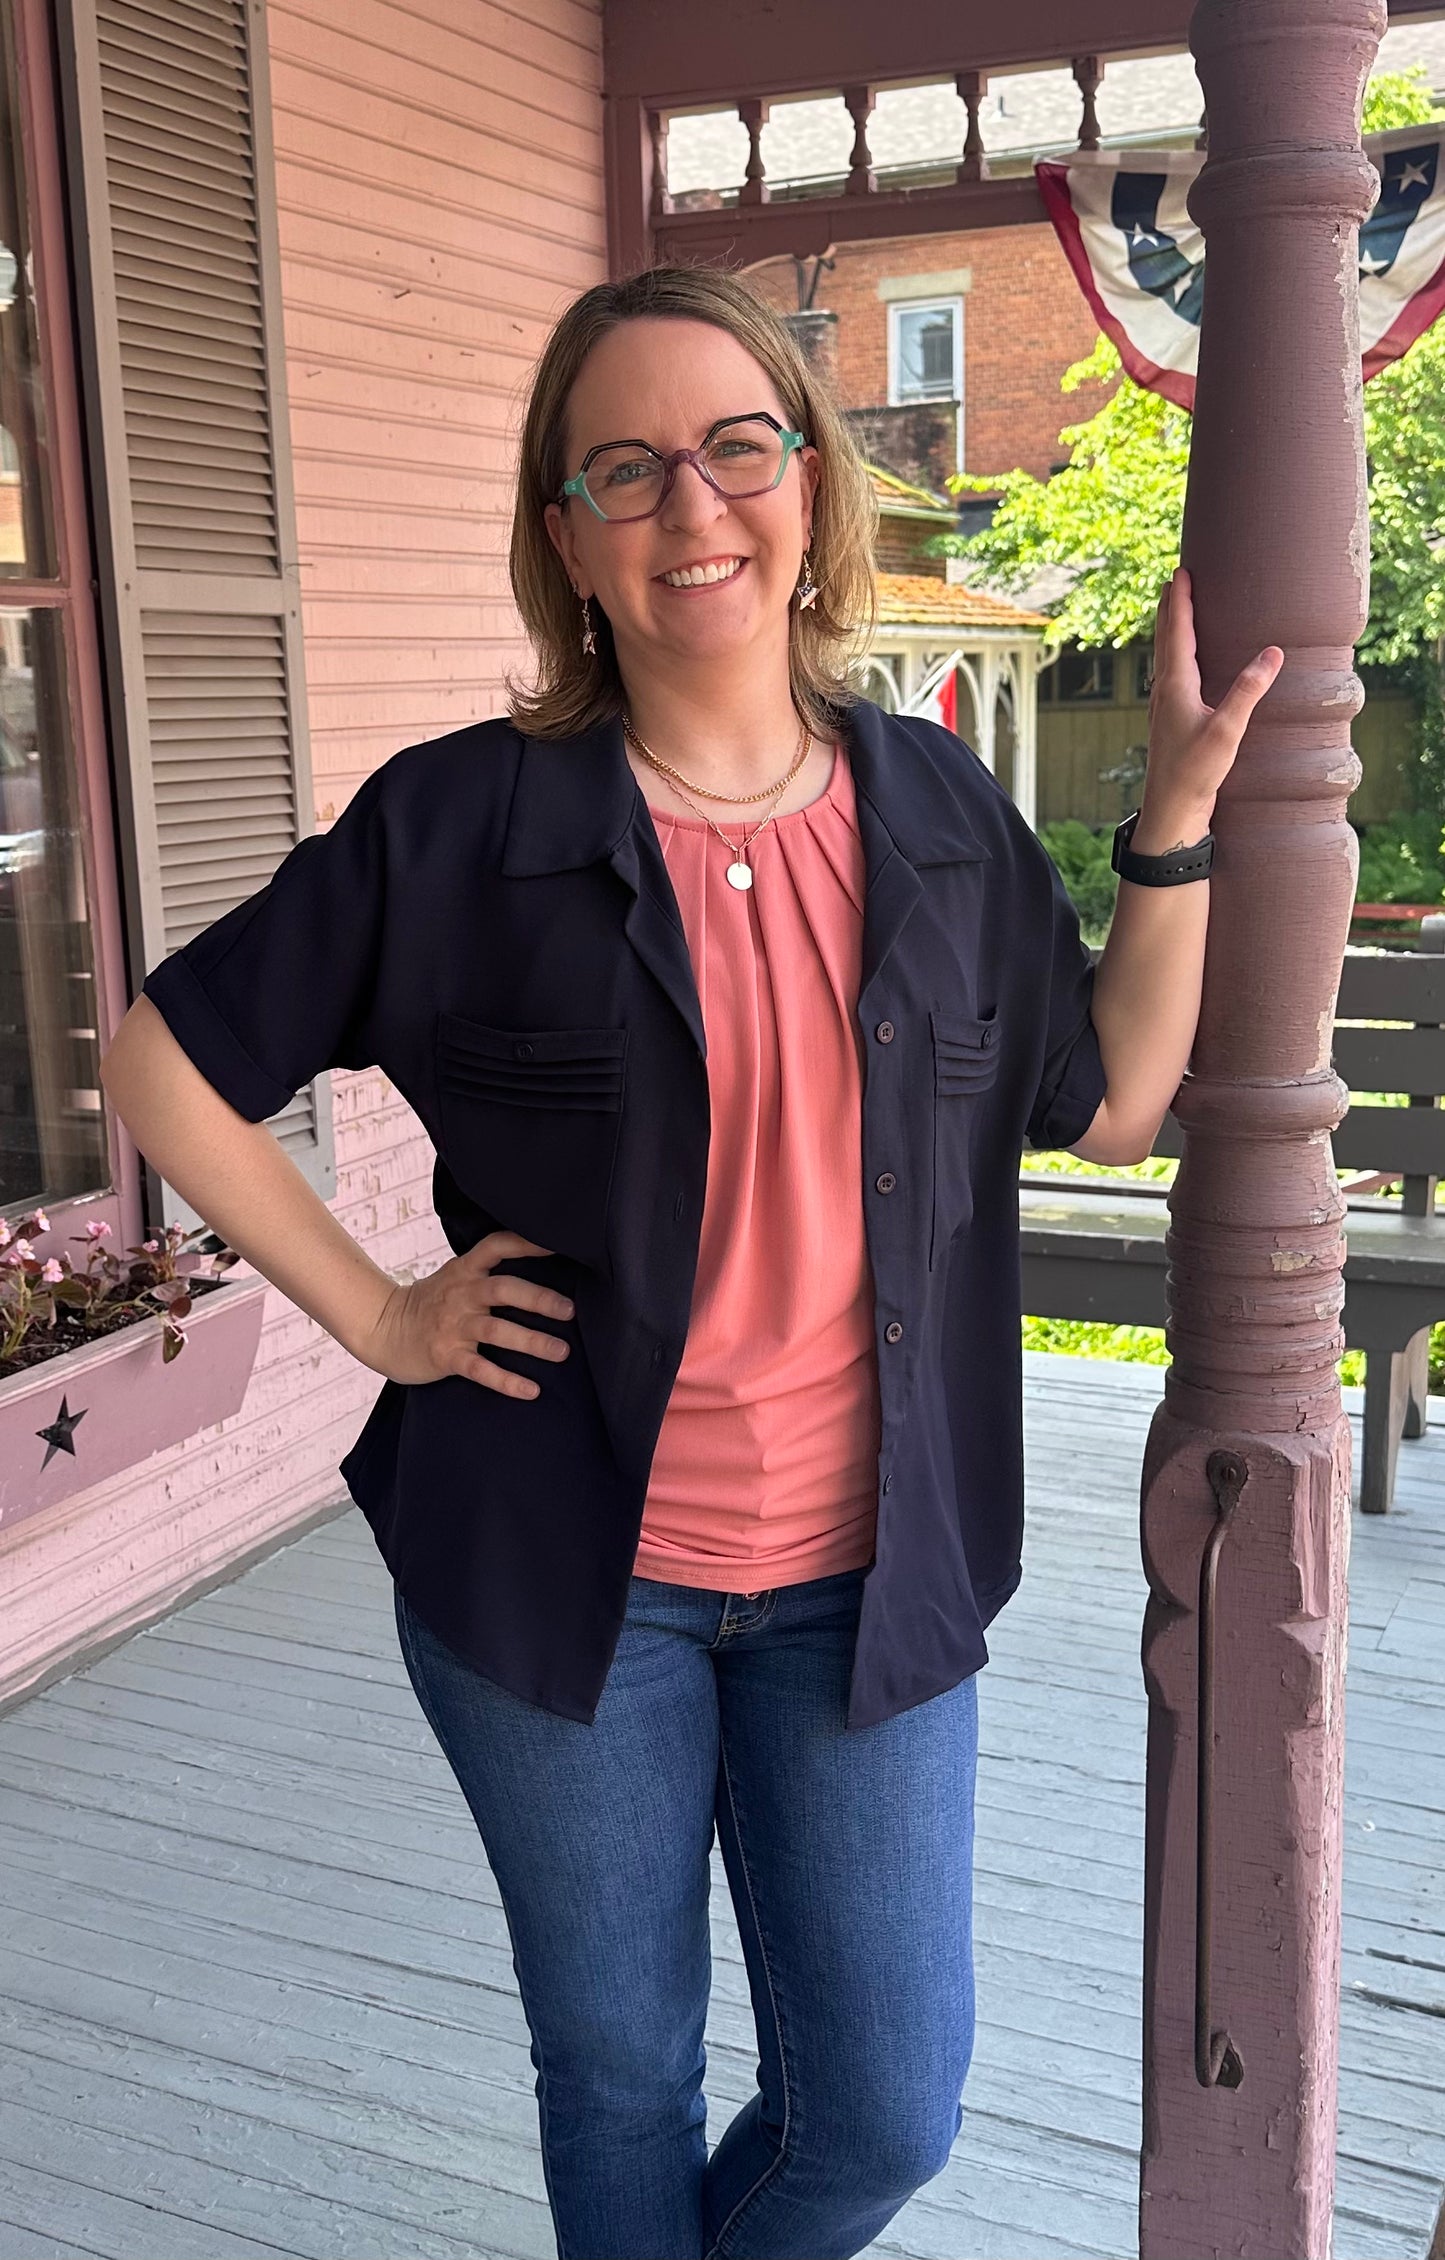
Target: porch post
[[986, 696], [1248, 1461], [1026, 730]]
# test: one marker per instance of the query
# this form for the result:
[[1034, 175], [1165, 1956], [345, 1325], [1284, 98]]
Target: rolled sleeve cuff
[[211, 1044], [1062, 1118]]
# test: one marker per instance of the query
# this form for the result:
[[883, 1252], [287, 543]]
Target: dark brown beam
[[807, 225], [672, 56]]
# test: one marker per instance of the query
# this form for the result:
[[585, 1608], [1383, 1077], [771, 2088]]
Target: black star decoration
[[58, 1435]]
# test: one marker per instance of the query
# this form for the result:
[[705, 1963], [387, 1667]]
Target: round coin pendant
[[739, 876]]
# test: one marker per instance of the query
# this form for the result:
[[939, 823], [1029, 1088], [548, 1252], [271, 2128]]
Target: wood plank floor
[[237, 1875]]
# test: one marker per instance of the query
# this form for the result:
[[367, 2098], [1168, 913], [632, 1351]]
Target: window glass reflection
[[26, 547], [52, 1128]]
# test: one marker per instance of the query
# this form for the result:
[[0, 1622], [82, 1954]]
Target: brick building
[[954, 365]]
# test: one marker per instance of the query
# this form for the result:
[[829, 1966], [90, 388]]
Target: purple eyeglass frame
[[670, 465]]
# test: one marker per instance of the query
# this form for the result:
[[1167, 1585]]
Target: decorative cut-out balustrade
[[756, 218]]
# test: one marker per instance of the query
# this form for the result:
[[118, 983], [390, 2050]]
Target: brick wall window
[[925, 350]]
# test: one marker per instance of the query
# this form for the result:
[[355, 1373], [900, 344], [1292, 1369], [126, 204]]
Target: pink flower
[[97, 1229], [24, 1253], [52, 1271], [40, 1222], [150, 1246], [5, 1233], [11, 1259]]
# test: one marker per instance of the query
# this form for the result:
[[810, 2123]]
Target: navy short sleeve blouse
[[491, 922]]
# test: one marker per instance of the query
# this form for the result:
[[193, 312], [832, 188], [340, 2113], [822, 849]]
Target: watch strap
[[1172, 870]]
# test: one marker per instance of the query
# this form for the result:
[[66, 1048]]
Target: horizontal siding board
[[412, 219], [562, 44], [438, 358], [319, 242], [518, 224], [525, 107], [416, 322], [418, 165]]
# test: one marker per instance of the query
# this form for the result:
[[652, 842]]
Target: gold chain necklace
[[738, 798], [739, 872]]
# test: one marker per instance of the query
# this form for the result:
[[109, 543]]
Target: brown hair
[[572, 692]]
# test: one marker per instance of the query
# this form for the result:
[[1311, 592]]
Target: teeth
[[697, 576]]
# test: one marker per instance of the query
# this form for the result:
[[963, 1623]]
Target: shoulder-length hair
[[572, 692]]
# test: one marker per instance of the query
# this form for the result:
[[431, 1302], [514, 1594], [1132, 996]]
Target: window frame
[[71, 592], [897, 397]]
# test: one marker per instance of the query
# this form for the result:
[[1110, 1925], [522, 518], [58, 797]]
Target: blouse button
[[893, 1332], [522, 1051], [886, 1182], [884, 1031]]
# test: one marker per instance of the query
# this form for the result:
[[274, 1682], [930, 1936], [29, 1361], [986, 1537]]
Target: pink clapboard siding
[[439, 177]]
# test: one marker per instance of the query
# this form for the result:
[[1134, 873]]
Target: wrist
[[372, 1320], [1160, 830]]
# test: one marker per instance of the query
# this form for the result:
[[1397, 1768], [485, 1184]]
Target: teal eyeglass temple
[[693, 455]]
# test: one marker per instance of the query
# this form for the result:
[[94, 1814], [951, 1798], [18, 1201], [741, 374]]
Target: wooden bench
[[1093, 1248]]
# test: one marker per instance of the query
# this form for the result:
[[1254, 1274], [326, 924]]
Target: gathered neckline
[[745, 823]]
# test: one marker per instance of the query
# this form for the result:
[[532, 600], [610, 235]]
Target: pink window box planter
[[114, 1402]]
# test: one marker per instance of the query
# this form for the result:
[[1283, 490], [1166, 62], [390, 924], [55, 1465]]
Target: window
[[54, 828], [1078, 678], [925, 351]]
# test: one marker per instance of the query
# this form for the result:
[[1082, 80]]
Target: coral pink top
[[765, 1472]]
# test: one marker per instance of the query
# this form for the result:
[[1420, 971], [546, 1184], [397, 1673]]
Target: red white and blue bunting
[[1122, 218]]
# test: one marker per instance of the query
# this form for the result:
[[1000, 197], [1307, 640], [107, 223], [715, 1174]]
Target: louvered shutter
[[173, 172]]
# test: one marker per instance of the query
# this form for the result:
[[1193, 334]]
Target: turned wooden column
[[1247, 1467]]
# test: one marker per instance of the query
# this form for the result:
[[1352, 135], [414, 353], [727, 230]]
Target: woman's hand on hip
[[442, 1324], [1191, 746]]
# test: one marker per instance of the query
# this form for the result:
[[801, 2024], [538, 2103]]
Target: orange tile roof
[[918, 600]]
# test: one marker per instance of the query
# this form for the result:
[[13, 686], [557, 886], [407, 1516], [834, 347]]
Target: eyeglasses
[[741, 455]]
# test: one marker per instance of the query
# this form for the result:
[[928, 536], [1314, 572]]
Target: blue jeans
[[849, 1857]]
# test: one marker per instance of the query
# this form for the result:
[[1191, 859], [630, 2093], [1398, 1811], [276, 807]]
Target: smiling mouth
[[703, 576]]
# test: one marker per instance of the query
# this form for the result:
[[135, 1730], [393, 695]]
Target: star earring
[[807, 588]]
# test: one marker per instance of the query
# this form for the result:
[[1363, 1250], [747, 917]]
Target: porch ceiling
[[672, 57]]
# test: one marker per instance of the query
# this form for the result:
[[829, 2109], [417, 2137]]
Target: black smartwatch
[[1170, 870]]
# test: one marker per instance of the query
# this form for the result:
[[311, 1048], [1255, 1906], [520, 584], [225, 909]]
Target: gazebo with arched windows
[[966, 658]]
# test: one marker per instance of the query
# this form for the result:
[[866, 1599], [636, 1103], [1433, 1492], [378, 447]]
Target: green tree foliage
[[1401, 860], [1113, 513]]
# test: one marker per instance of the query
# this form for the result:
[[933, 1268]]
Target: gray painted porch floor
[[236, 1874]]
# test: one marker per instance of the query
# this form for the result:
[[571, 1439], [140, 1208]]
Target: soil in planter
[[70, 1332]]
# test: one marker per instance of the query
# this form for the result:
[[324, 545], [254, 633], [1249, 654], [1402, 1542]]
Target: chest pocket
[[965, 1066], [530, 1120]]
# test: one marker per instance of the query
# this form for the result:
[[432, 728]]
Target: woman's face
[[668, 381]]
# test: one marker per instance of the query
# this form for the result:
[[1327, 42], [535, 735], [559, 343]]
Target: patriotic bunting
[[1122, 218]]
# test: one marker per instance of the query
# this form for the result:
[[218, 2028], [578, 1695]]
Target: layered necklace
[[739, 871]]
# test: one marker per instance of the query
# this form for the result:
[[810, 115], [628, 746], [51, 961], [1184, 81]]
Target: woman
[[728, 1002]]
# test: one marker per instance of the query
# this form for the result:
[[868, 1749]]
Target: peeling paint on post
[[1242, 1944]]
